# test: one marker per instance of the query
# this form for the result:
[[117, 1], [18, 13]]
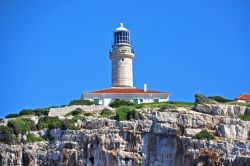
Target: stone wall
[[64, 110]]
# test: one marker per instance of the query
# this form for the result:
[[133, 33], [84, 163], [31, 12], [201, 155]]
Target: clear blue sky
[[52, 51]]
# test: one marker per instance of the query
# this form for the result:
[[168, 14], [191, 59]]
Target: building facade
[[121, 56], [244, 97]]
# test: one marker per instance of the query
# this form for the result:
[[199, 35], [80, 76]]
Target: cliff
[[162, 138]]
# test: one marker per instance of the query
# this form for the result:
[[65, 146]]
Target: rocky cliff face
[[162, 139]]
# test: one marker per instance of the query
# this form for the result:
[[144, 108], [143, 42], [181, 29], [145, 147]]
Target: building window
[[122, 59], [156, 100], [96, 101], [135, 101], [141, 100]]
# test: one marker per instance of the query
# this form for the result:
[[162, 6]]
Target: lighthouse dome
[[121, 35], [121, 28]]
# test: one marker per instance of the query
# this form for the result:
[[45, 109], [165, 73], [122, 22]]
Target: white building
[[121, 56]]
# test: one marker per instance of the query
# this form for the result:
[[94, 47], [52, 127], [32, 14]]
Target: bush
[[117, 103], [245, 117], [12, 116], [7, 135], [106, 113], [174, 111], [21, 126], [220, 99], [81, 102], [27, 112], [75, 118], [42, 111], [138, 106], [87, 114], [33, 138], [122, 113], [134, 114], [76, 112], [68, 124], [201, 99], [204, 134], [49, 122]]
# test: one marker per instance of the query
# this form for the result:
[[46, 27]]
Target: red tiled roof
[[124, 90], [244, 96]]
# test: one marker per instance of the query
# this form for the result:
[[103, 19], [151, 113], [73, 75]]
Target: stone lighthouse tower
[[122, 57]]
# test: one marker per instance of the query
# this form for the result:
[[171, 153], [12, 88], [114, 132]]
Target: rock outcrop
[[222, 109], [161, 139]]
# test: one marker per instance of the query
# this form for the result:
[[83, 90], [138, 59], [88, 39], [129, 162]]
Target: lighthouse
[[121, 56], [122, 87]]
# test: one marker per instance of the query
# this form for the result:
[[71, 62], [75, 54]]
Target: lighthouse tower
[[121, 56]]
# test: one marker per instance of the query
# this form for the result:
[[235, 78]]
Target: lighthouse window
[[121, 37]]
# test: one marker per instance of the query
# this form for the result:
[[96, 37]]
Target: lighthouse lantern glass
[[121, 37]]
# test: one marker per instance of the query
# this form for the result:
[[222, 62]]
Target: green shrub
[[87, 114], [138, 106], [220, 99], [22, 125], [201, 99], [122, 113], [134, 114], [245, 117], [68, 124], [106, 113], [204, 134], [27, 112], [33, 138], [81, 102], [49, 122], [76, 112], [166, 107], [75, 118], [117, 103], [42, 111], [12, 116], [174, 111], [7, 135]]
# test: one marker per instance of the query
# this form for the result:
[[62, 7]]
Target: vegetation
[[204, 134], [202, 99], [88, 114], [167, 105], [81, 102], [127, 113], [68, 124], [174, 111], [27, 112], [12, 116], [122, 113], [105, 113], [75, 118], [8, 136], [22, 125], [49, 122], [117, 103], [33, 138], [134, 114], [219, 99], [76, 112], [245, 117], [138, 106]]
